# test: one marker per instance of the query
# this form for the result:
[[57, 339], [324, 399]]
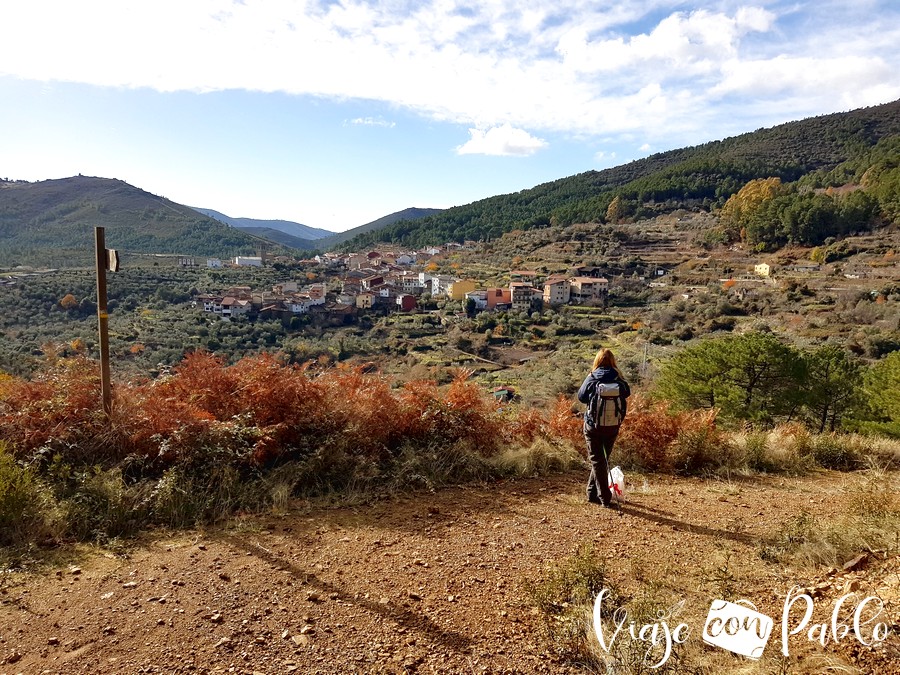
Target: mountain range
[[51, 222], [296, 235], [295, 230]]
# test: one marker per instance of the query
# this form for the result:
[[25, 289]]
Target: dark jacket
[[589, 387]]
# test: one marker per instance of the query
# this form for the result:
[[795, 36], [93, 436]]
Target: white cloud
[[501, 141], [680, 43], [604, 158], [566, 66], [808, 76], [645, 148], [372, 122]]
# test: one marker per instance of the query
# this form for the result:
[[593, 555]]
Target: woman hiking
[[604, 391]]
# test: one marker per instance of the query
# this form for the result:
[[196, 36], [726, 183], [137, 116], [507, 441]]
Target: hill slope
[[279, 237], [52, 222], [287, 226], [701, 176], [406, 215]]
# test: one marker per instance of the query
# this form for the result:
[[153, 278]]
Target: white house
[[248, 261], [440, 284], [409, 282], [213, 263], [299, 304]]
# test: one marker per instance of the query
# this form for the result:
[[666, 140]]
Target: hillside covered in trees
[[52, 223], [858, 147]]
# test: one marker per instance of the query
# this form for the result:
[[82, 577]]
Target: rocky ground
[[433, 583]]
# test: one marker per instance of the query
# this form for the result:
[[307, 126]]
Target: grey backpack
[[607, 405]]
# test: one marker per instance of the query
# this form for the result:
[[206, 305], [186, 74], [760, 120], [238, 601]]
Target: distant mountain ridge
[[297, 230], [296, 235], [52, 222], [280, 237], [409, 214]]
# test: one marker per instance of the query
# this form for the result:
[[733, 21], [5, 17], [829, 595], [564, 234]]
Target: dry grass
[[870, 522]]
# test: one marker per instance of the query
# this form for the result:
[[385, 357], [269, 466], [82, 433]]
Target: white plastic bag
[[617, 482]]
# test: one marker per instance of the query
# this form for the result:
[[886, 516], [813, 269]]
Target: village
[[349, 285], [386, 281]]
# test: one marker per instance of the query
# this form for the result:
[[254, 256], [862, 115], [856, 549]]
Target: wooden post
[[103, 318]]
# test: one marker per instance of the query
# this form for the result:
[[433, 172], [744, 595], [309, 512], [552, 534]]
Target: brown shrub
[[524, 425], [563, 424], [645, 435], [656, 439], [60, 404], [700, 445]]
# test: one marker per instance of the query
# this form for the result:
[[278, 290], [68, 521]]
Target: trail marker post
[[107, 259]]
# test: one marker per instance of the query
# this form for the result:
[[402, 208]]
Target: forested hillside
[[815, 153], [410, 214], [52, 223]]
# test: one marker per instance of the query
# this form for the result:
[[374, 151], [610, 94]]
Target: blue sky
[[334, 114]]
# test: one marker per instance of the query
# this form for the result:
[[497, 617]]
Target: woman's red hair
[[605, 359]]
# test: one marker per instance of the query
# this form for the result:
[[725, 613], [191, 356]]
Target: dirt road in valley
[[429, 583]]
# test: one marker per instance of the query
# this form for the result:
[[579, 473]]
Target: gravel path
[[430, 583]]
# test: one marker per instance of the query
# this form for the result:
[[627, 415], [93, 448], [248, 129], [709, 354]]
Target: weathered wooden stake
[[103, 318]]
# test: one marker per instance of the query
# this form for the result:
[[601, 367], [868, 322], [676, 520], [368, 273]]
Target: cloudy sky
[[335, 113]]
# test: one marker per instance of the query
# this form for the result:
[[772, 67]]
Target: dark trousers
[[599, 445]]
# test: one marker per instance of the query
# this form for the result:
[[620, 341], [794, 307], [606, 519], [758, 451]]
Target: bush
[[209, 439], [60, 407], [832, 451], [182, 498], [700, 446], [563, 597], [540, 458], [656, 439], [755, 450], [648, 430], [25, 512], [99, 506], [789, 448]]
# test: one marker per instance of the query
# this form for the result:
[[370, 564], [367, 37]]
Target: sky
[[335, 113]]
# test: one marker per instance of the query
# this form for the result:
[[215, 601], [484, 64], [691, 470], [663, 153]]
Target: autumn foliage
[[259, 412], [656, 438]]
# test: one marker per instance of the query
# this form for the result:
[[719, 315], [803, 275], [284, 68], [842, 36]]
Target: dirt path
[[429, 583]]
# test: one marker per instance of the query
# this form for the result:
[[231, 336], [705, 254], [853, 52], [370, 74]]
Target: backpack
[[607, 405]]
